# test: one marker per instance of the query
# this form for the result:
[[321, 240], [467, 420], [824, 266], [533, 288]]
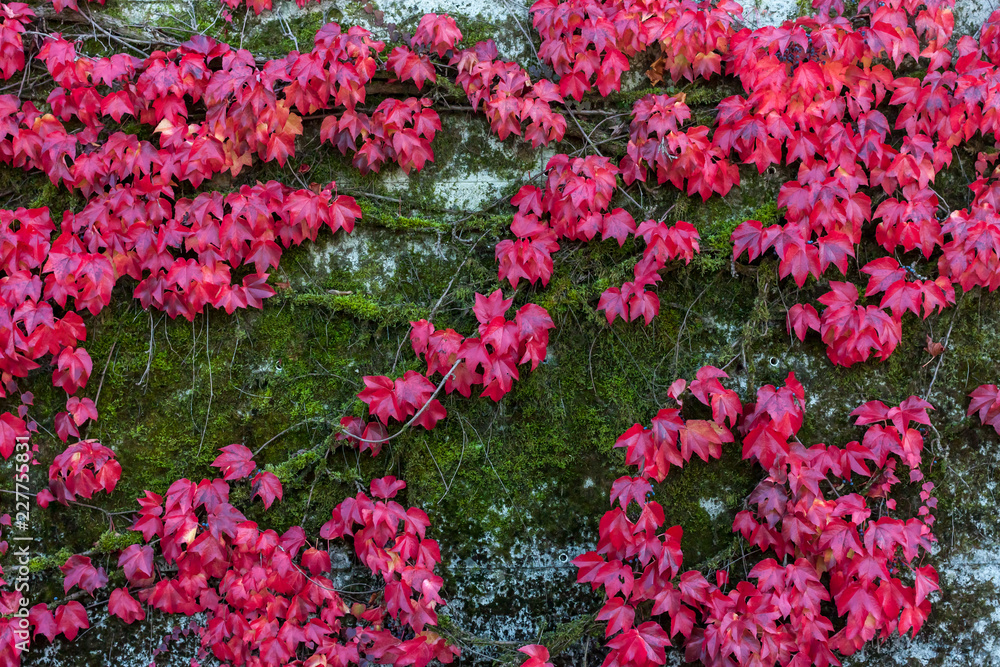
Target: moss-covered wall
[[514, 489]]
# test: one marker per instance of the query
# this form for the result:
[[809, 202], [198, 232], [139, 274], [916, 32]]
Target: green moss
[[716, 219], [572, 410], [697, 94], [57, 199], [475, 30], [383, 215], [360, 307], [288, 471], [283, 376], [625, 99], [404, 223], [111, 541], [38, 564], [61, 556]]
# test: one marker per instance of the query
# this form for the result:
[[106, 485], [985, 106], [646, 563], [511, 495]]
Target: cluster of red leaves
[[401, 398], [180, 250], [656, 141], [572, 205], [67, 620], [81, 469], [145, 236], [672, 440], [80, 571], [813, 91], [489, 360], [31, 328], [257, 217], [588, 42], [247, 107], [852, 332], [400, 131], [79, 412], [802, 79], [508, 96], [436, 33], [406, 561], [841, 551], [580, 41], [236, 462], [13, 19], [663, 243], [813, 88], [267, 598], [972, 257]]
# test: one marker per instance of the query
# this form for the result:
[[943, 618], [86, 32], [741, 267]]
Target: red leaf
[[256, 289], [801, 318], [70, 618], [884, 271], [614, 304], [438, 32], [617, 225], [619, 614], [81, 409], [491, 307], [236, 462], [642, 645], [125, 607], [538, 656], [379, 394], [79, 571], [10, 428], [703, 438], [926, 581], [43, 621], [267, 486], [409, 66], [986, 400], [387, 487], [137, 562], [73, 369], [626, 489]]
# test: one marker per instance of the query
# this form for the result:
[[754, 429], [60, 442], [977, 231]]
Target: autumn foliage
[[860, 112], [819, 544], [203, 556]]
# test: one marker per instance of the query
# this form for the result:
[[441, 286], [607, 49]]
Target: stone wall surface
[[514, 489]]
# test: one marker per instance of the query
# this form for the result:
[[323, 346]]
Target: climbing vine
[[855, 109]]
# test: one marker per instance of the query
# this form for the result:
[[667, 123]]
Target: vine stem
[[100, 385], [415, 417], [944, 351], [290, 428], [211, 391]]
